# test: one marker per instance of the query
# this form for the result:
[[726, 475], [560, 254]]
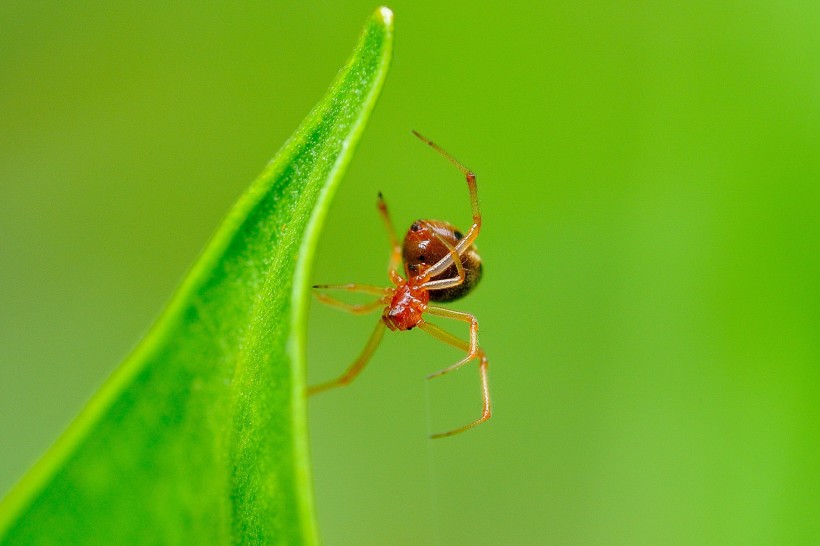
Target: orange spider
[[441, 265]]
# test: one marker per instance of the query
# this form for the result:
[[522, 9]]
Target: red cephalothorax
[[441, 264], [406, 308]]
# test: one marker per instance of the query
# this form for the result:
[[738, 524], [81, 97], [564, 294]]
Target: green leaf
[[200, 435]]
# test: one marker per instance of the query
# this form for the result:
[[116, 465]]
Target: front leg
[[486, 403], [358, 365], [472, 348]]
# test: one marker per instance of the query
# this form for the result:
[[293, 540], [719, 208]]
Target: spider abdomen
[[423, 247]]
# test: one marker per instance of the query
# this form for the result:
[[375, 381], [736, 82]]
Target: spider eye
[[415, 227], [458, 235], [422, 259]]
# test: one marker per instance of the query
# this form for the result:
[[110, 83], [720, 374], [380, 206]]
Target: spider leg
[[355, 308], [353, 287], [354, 369], [483, 366], [395, 247], [470, 348], [486, 404], [471, 235]]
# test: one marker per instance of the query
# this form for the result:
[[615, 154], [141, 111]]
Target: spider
[[441, 264]]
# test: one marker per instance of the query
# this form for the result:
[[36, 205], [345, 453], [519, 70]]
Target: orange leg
[[471, 348], [358, 365], [355, 308], [353, 287], [471, 235], [486, 405], [395, 247], [483, 366]]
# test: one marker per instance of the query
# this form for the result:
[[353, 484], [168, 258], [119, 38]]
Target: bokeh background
[[649, 180]]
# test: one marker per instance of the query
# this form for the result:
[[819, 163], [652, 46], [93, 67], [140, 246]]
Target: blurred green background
[[648, 174]]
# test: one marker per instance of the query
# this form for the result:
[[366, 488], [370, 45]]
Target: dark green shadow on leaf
[[200, 437]]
